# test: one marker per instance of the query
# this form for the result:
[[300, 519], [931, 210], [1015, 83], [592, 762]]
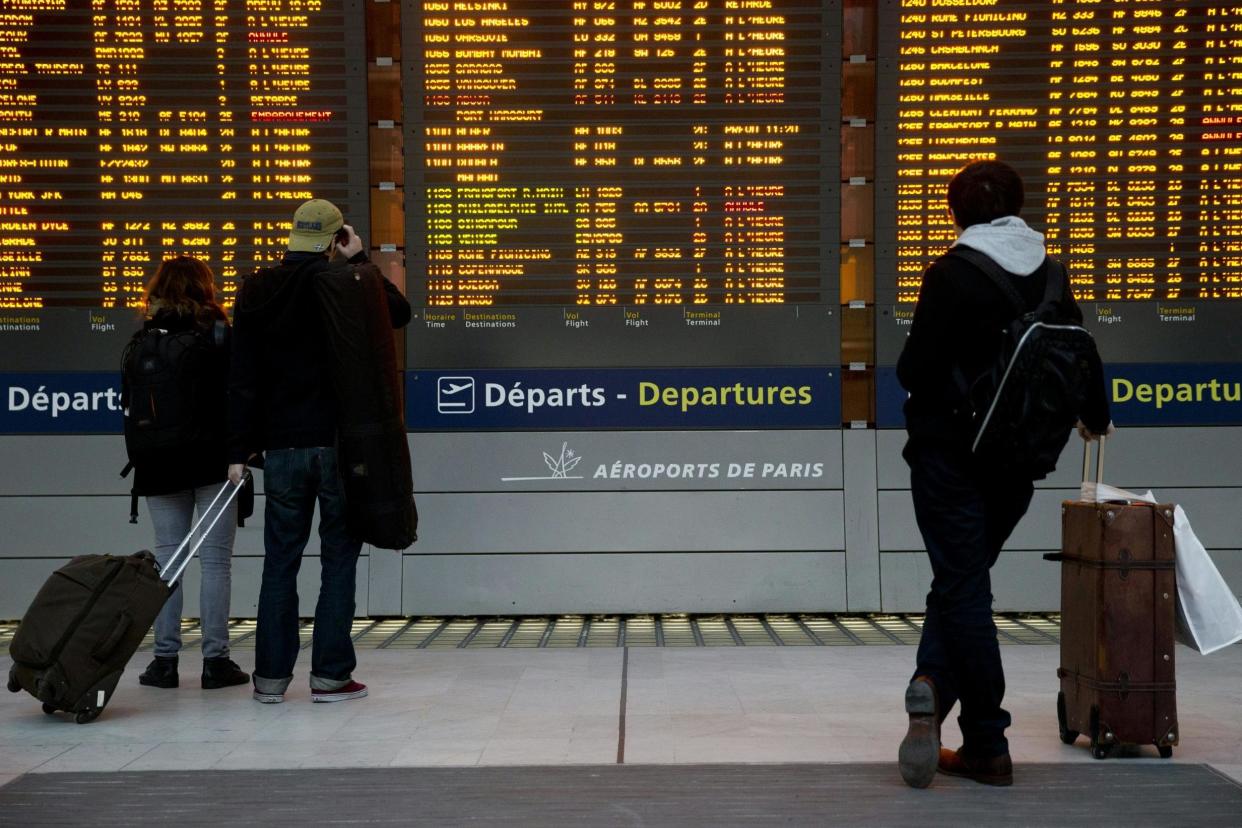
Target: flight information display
[[1123, 117], [656, 159], [131, 131]]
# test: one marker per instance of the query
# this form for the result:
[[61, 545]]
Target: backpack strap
[[993, 271], [133, 496], [1057, 276]]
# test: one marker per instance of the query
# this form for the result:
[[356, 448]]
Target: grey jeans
[[172, 515]]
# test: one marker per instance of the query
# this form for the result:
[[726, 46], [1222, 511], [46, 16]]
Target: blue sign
[[62, 403], [1140, 394], [889, 398], [1153, 394], [773, 397]]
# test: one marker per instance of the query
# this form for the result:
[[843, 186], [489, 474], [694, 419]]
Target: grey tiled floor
[[554, 707]]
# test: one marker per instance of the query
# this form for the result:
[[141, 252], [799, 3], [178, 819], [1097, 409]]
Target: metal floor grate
[[779, 630]]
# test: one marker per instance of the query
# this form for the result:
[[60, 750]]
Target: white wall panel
[[513, 461], [626, 546], [630, 522], [23, 577], [37, 527], [1215, 514], [1022, 581], [1040, 528], [1147, 458], [628, 583]]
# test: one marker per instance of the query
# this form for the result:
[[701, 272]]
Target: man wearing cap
[[281, 405]]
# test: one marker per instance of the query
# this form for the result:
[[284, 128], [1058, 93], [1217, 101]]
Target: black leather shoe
[[994, 770], [920, 750], [162, 672], [222, 672]]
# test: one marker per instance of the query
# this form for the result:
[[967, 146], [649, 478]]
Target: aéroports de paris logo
[[560, 467]]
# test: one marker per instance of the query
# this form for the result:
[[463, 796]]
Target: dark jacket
[[205, 462], [280, 394], [958, 321]]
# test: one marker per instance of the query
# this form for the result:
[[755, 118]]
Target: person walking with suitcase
[[174, 392], [975, 446], [281, 403]]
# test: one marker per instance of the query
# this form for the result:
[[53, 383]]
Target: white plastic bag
[[1208, 614]]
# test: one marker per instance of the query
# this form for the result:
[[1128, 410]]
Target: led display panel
[[612, 183], [133, 131], [1124, 119]]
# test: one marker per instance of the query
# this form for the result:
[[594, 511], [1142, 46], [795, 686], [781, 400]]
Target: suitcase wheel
[[1067, 736], [49, 709], [1099, 749], [1165, 751], [14, 685], [88, 716]]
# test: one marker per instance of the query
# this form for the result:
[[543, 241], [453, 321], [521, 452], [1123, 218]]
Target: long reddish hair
[[187, 286]]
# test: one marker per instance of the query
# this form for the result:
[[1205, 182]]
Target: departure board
[[1124, 119], [135, 130], [649, 156]]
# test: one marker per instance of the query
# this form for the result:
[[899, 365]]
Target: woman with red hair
[[185, 334]]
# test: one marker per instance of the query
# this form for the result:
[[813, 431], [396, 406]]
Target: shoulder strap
[[993, 271], [1056, 276]]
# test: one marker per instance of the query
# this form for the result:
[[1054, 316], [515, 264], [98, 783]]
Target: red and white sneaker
[[352, 690]]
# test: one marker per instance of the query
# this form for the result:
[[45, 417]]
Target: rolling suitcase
[[90, 617], [1118, 602]]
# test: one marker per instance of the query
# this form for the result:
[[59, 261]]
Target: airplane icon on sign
[[455, 395]]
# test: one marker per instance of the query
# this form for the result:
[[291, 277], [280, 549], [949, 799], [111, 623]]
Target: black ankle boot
[[162, 672], [222, 672]]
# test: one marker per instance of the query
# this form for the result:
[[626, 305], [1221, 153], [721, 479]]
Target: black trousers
[[965, 516]]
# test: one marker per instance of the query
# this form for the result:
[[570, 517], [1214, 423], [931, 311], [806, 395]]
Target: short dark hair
[[983, 191]]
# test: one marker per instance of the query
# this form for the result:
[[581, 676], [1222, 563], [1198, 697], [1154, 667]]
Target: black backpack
[[162, 391], [1025, 405]]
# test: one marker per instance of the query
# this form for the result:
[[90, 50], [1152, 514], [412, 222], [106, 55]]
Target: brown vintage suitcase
[[1118, 599]]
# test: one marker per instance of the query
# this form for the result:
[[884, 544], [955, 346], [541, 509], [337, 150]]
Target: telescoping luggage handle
[[181, 563], [1086, 478], [1086, 461]]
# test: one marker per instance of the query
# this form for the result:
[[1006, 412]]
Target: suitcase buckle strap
[[1126, 563], [1123, 687]]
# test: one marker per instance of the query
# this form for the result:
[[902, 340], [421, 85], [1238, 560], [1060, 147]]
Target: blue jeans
[[171, 516], [293, 480], [965, 518]]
